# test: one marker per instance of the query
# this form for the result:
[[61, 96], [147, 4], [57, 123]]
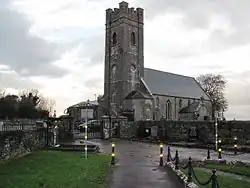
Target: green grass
[[229, 168], [53, 169], [224, 182]]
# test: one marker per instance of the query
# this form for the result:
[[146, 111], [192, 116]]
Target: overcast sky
[[57, 46]]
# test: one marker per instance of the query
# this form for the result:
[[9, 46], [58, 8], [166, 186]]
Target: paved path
[[138, 167]]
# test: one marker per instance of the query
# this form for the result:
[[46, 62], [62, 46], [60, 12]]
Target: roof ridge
[[170, 73]]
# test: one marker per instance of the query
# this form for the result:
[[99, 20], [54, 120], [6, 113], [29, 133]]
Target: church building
[[146, 93]]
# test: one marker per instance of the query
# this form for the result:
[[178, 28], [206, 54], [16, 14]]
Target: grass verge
[[245, 171], [224, 182], [54, 169]]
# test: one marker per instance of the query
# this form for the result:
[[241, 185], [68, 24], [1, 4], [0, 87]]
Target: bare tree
[[42, 103], [214, 86], [46, 104]]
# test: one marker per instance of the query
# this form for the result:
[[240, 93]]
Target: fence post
[[189, 169], [113, 154], [161, 155], [208, 153], [219, 149], [214, 179], [176, 160], [169, 154], [235, 146]]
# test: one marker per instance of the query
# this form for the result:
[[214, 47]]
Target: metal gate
[[94, 131]]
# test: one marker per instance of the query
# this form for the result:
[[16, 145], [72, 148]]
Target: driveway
[[138, 167]]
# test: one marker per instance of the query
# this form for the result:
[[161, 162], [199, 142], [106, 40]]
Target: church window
[[113, 72], [113, 97], [114, 38], [168, 110], [180, 103], [133, 38], [157, 102], [133, 68]]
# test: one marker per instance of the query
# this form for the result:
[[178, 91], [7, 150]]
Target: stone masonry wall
[[16, 143], [178, 130]]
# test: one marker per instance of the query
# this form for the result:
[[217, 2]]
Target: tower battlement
[[124, 11]]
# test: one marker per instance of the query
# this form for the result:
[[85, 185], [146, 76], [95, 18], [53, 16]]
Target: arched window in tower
[[113, 98], [133, 76], [113, 72], [168, 110], [114, 38], [133, 38], [180, 103]]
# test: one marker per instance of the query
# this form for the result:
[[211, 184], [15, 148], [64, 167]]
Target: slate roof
[[165, 83], [193, 107], [84, 103], [137, 94]]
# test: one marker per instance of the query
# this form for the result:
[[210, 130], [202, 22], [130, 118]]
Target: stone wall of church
[[177, 103], [157, 108]]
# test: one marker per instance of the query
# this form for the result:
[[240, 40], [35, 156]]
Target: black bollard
[[208, 153], [214, 179], [161, 155], [219, 149], [189, 169], [235, 145], [176, 160], [113, 154], [169, 155]]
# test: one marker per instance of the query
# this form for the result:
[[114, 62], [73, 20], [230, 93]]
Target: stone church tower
[[124, 59]]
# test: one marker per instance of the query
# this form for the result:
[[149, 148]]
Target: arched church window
[[113, 72], [168, 110], [133, 68], [157, 102], [113, 97], [180, 103], [133, 38], [114, 38]]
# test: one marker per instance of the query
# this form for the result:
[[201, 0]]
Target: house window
[[133, 38], [114, 38], [168, 110], [157, 102], [180, 103]]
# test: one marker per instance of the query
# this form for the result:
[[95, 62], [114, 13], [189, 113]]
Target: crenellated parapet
[[124, 12]]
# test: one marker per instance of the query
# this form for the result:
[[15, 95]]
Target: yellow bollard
[[161, 155], [86, 138], [113, 154]]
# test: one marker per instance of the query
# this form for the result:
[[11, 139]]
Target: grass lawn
[[229, 168], [54, 169], [224, 182]]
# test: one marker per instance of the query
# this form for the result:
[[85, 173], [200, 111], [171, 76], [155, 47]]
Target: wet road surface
[[138, 167]]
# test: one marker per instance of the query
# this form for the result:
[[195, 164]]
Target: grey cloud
[[94, 83], [238, 112], [197, 14], [93, 49], [19, 49], [13, 80]]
